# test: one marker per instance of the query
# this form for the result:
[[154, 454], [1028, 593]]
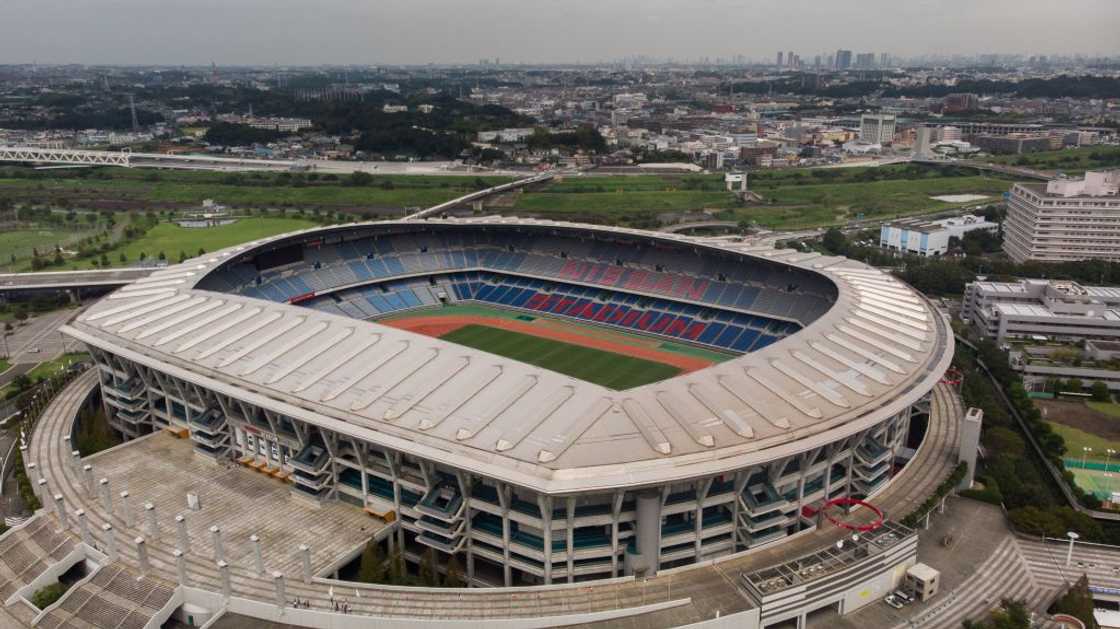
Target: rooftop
[[879, 348]]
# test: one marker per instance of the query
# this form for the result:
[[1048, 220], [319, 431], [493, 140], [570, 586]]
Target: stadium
[[550, 402]]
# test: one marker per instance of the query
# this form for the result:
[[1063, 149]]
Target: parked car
[[893, 602]]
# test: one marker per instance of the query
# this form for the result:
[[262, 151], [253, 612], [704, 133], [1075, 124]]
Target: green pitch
[[610, 370]]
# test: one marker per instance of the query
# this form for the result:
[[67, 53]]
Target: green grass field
[[171, 239], [1077, 439], [1098, 482], [610, 370], [1108, 408]]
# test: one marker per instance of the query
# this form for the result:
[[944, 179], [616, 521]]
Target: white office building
[[1065, 219], [1059, 310], [929, 238], [876, 128]]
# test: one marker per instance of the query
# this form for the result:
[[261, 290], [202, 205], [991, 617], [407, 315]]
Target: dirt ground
[[440, 325], [1078, 415]]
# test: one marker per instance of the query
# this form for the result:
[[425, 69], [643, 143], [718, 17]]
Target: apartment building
[[1065, 219]]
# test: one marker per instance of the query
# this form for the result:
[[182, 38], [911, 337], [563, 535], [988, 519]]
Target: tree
[[1077, 602], [429, 576], [835, 242], [1075, 385], [123, 258], [1100, 391], [201, 251], [358, 178], [372, 566]]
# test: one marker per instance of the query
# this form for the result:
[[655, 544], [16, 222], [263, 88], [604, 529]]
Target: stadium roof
[[877, 350]]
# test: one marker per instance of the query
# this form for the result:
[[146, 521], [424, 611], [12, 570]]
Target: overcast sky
[[312, 32]]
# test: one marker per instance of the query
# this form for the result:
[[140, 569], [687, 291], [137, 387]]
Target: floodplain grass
[[608, 369], [1070, 161], [793, 200], [170, 238]]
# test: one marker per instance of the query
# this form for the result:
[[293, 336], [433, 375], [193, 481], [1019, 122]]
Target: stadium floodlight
[[1073, 537]]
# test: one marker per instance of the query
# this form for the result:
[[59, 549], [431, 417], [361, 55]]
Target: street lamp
[[1073, 537], [1085, 450], [1108, 458]]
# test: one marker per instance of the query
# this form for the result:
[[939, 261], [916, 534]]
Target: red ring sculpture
[[845, 501]]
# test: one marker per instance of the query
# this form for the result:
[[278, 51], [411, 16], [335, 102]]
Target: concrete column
[[112, 541], [184, 538], [153, 525], [257, 553], [106, 497], [91, 486], [223, 571], [305, 553], [180, 566], [126, 512], [60, 510], [83, 526], [142, 555], [216, 540], [278, 582]]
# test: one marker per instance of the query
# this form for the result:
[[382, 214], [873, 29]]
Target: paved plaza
[[162, 469]]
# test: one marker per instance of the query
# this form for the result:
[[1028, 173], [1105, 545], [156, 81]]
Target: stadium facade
[[270, 354]]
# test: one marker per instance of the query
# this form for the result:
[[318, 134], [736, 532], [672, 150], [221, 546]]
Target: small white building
[[929, 238]]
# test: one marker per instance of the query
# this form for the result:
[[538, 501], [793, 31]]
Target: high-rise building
[[780, 57], [1065, 219], [843, 59], [865, 60], [876, 128], [817, 61], [789, 58], [883, 60]]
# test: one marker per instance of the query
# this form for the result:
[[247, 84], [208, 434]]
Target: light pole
[[1107, 459], [1085, 450], [1073, 537]]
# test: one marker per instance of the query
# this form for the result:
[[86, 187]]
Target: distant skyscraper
[[843, 59], [780, 58], [865, 60], [883, 60], [789, 58], [817, 61]]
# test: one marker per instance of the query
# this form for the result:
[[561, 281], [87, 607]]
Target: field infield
[[594, 355]]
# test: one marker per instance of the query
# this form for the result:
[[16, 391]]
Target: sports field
[[611, 370], [596, 354], [1097, 477]]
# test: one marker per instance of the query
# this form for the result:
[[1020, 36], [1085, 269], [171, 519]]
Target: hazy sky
[[422, 31]]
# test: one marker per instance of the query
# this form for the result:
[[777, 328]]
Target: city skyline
[[253, 32]]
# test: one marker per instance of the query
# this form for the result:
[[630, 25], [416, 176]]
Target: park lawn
[[1077, 439], [23, 242], [607, 369], [1108, 408], [53, 366], [171, 239], [4, 365]]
